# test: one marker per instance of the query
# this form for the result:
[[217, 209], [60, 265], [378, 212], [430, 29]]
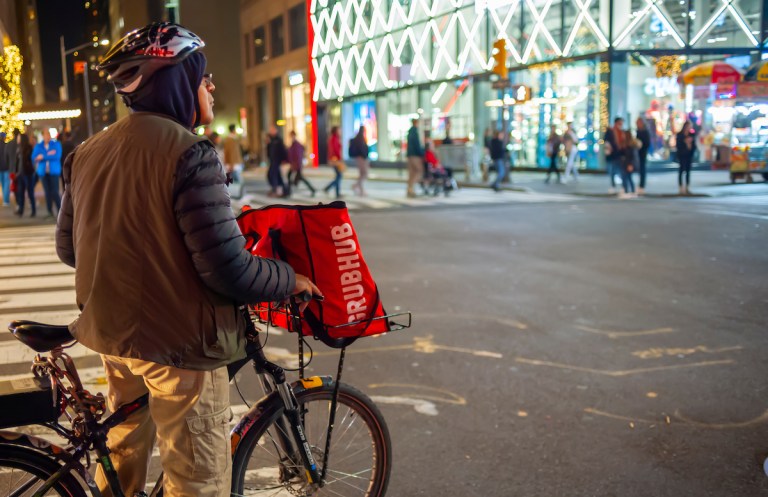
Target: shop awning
[[757, 71], [709, 73]]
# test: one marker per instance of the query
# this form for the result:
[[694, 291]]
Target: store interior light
[[50, 114]]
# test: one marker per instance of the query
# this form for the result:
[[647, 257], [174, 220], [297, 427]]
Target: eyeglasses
[[208, 82]]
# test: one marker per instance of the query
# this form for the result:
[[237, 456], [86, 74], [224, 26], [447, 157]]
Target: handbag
[[320, 242]]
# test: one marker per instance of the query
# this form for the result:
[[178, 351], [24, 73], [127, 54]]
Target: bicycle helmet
[[133, 60]]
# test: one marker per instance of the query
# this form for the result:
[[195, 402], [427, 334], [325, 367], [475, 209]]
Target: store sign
[[752, 90], [661, 87]]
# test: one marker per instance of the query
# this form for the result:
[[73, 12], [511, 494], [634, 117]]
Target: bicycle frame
[[88, 434]]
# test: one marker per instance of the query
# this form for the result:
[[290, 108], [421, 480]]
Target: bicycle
[[281, 446]]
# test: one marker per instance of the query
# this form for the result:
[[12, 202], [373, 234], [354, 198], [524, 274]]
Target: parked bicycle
[[312, 437]]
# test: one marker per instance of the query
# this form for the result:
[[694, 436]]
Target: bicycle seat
[[40, 337]]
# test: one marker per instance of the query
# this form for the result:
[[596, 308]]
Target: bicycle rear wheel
[[23, 472], [359, 462]]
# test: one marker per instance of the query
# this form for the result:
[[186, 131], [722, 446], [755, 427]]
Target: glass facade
[[582, 61]]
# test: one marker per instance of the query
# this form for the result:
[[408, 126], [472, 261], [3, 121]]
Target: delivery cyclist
[[160, 265]]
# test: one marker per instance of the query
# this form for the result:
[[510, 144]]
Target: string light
[[668, 66], [10, 90]]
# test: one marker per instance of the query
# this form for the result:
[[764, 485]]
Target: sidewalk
[[658, 184]]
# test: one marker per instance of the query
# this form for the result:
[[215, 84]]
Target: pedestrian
[[447, 140], [498, 155], [629, 165], [643, 135], [277, 154], [614, 150], [10, 159], [160, 266], [296, 160], [686, 148], [67, 146], [571, 148], [47, 158], [358, 150], [233, 155], [215, 138], [5, 172], [336, 161], [26, 177], [415, 158], [554, 142]]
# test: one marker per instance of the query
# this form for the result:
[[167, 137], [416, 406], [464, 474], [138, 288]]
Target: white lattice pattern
[[362, 46]]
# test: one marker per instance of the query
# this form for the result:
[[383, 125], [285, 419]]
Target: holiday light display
[[10, 90]]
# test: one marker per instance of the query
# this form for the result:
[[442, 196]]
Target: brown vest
[[138, 291]]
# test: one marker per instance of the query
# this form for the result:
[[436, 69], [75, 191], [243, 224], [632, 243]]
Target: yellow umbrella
[[757, 71], [712, 72]]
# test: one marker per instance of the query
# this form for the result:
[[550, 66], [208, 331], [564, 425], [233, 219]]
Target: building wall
[[260, 77], [218, 27]]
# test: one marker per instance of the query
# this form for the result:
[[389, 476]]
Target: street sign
[[500, 84]]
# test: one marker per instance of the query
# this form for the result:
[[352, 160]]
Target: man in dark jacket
[[614, 149], [414, 157], [161, 265], [644, 137], [277, 154], [498, 155]]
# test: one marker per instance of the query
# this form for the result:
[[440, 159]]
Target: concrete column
[[617, 90], [386, 152]]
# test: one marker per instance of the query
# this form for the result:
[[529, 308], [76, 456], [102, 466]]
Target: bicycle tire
[[260, 472], [18, 464]]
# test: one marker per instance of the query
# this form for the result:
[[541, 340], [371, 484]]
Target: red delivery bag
[[320, 242]]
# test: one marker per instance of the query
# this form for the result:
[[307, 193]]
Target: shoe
[[641, 191], [410, 195], [611, 190], [682, 190]]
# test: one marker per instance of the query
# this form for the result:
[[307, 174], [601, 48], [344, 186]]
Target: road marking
[[657, 352], [718, 212], [619, 373], [723, 426], [624, 334]]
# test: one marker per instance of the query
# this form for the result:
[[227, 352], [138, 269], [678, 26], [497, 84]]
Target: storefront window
[[660, 101]]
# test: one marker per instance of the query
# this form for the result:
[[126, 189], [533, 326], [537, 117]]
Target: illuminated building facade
[[380, 64], [275, 60]]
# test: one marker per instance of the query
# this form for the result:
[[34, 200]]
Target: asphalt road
[[592, 349]]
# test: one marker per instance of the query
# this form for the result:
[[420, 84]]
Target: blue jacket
[[52, 158]]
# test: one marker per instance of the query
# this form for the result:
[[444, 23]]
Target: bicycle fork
[[296, 426]]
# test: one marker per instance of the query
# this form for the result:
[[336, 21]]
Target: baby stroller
[[437, 178]]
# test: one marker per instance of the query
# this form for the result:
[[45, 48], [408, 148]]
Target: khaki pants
[[188, 412], [415, 173]]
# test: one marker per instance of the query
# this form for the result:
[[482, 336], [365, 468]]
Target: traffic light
[[499, 54]]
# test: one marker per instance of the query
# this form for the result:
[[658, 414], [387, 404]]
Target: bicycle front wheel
[[359, 459], [23, 473]]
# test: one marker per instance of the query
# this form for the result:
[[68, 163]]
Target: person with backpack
[[358, 150], [571, 148]]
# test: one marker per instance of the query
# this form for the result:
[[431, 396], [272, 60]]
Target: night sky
[[56, 18]]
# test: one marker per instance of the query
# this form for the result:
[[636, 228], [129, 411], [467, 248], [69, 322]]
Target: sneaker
[[611, 190], [682, 190], [641, 191]]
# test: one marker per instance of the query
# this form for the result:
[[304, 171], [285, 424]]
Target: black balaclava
[[174, 91]]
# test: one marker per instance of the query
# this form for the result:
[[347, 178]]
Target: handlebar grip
[[306, 297]]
